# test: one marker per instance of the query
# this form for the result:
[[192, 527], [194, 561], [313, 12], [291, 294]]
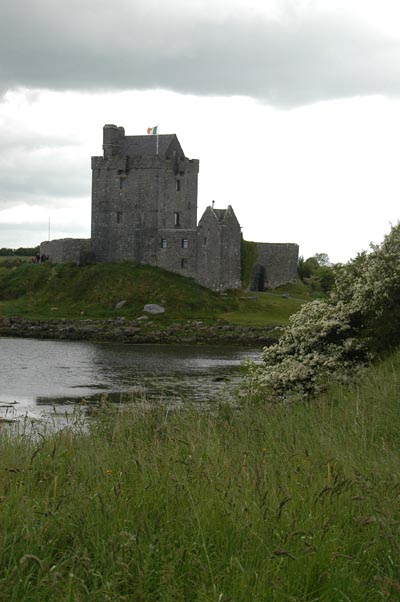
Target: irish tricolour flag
[[153, 131]]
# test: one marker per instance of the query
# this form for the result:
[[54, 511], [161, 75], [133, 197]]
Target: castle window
[[205, 240], [185, 243], [177, 219], [122, 182], [164, 243], [184, 263], [119, 217], [178, 185]]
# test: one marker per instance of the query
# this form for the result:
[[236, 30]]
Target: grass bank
[[296, 503], [67, 291]]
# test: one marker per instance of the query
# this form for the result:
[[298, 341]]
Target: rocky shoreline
[[141, 330]]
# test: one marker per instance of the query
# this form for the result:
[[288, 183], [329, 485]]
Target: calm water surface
[[38, 378]]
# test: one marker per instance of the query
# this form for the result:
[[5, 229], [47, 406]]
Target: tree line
[[20, 252]]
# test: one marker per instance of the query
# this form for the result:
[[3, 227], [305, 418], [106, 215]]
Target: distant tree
[[21, 251], [325, 278], [322, 259], [317, 271], [26, 251]]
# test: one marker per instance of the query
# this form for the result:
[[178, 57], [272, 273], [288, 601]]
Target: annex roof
[[147, 145]]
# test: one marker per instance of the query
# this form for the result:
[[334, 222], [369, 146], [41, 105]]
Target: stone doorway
[[258, 278]]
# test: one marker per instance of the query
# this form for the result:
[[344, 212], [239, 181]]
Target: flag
[[153, 131]]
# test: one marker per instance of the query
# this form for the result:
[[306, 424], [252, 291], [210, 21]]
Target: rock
[[285, 295], [153, 308], [130, 331], [142, 318], [120, 304]]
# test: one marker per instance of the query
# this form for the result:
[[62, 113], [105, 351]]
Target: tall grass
[[291, 503]]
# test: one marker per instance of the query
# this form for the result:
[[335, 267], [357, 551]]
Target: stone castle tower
[[144, 209]]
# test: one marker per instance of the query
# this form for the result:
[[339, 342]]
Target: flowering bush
[[330, 340]]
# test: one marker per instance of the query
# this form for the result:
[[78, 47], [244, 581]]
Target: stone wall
[[276, 264], [67, 250], [177, 251]]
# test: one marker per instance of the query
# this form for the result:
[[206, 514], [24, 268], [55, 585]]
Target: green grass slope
[[269, 308], [42, 291], [67, 291], [259, 504]]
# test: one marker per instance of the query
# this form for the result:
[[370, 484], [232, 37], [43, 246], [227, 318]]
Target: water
[[48, 378]]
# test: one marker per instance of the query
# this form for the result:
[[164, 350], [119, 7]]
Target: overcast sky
[[292, 107]]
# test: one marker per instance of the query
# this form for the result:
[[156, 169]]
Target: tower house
[[144, 201], [218, 249]]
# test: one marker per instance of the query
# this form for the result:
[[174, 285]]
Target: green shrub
[[330, 340], [248, 257]]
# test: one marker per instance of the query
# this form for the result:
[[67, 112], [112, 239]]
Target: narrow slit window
[[183, 263], [178, 185], [164, 243], [185, 243], [119, 217], [177, 219]]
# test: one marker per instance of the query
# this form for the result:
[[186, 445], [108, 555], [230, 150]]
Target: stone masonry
[[144, 209], [276, 264]]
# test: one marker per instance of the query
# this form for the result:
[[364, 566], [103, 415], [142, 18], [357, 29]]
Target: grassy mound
[[280, 503], [67, 291], [44, 291]]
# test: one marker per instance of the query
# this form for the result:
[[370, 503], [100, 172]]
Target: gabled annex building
[[144, 209]]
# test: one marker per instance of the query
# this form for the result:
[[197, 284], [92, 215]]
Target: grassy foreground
[[290, 503]]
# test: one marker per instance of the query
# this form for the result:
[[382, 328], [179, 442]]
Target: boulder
[[153, 308], [120, 304]]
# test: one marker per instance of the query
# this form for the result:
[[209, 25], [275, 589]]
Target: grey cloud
[[14, 235], [40, 168], [42, 226], [14, 139], [90, 46], [25, 226], [49, 180], [38, 186]]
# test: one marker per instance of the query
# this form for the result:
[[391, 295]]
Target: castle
[[144, 209]]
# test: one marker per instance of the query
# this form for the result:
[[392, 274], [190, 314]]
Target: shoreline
[[123, 330]]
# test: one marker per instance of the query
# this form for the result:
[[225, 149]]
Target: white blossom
[[331, 340]]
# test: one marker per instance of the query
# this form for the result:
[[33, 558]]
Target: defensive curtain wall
[[276, 264], [67, 250], [144, 209]]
